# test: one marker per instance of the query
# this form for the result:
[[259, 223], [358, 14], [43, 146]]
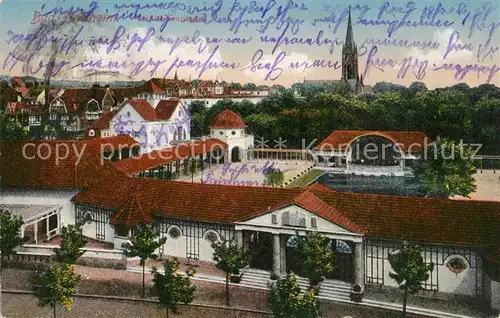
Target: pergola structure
[[280, 154], [41, 222]]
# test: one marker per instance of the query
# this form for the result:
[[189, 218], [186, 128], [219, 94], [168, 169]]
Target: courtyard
[[250, 173]]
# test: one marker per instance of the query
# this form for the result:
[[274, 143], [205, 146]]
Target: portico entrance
[[261, 250]]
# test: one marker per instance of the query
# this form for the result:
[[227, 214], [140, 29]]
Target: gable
[[287, 216], [180, 114], [126, 117]]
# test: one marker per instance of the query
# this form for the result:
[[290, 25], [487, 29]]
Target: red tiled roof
[[227, 120], [77, 98], [103, 121], [163, 110], [413, 141], [319, 187], [47, 169], [309, 201], [205, 84], [166, 108], [151, 87], [114, 142], [132, 212], [144, 108], [155, 158]]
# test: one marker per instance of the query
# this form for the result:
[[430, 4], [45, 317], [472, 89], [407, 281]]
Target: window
[[285, 218], [293, 219], [121, 230], [456, 265], [211, 237], [87, 217], [221, 133], [174, 232], [233, 132], [314, 222], [92, 133], [274, 219]]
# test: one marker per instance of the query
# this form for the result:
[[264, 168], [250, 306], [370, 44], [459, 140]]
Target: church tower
[[350, 71]]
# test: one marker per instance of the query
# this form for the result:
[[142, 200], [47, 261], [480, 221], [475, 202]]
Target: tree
[[10, 129], [10, 233], [10, 238], [198, 114], [194, 165], [447, 169], [409, 270], [288, 302], [315, 258], [143, 244], [273, 177], [171, 287], [72, 243], [229, 258], [55, 284]]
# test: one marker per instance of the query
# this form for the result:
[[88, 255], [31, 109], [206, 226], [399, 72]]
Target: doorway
[[261, 250], [344, 265], [236, 154]]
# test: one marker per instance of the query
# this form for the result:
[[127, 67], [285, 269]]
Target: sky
[[447, 42]]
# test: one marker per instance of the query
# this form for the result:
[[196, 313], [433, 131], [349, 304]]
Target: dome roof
[[227, 120]]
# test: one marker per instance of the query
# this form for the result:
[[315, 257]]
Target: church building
[[351, 79]]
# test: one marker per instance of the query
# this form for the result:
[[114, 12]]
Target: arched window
[[212, 237], [293, 241], [87, 217], [174, 232], [343, 247]]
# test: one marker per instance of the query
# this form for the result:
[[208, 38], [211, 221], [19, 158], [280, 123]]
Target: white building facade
[[155, 122]]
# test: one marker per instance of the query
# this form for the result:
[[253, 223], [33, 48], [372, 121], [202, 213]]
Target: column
[[359, 262], [238, 236], [283, 253], [276, 254], [36, 232], [246, 240]]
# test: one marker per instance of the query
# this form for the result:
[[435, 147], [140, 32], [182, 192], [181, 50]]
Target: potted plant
[[356, 293], [235, 277]]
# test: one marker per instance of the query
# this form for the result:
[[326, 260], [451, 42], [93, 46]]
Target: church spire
[[175, 76], [349, 38]]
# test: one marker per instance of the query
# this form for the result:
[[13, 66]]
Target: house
[[155, 122]]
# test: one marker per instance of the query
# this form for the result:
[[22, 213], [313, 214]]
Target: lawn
[[306, 178]]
